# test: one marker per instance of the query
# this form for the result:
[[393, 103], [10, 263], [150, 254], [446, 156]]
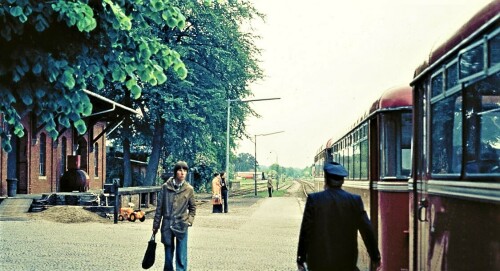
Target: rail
[[307, 187]]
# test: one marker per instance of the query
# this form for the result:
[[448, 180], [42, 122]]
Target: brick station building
[[38, 162]]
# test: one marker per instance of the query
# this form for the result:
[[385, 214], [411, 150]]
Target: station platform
[[256, 234]]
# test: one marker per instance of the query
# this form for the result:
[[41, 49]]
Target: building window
[[96, 160], [43, 152], [64, 154]]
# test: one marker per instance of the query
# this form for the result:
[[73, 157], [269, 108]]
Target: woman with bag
[[216, 194], [175, 212]]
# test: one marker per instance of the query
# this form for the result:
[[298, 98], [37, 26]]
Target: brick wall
[[34, 183]]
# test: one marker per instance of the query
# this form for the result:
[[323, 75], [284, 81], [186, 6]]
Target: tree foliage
[[51, 50], [221, 58], [244, 162]]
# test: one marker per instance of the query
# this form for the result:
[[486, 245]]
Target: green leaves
[[37, 69], [76, 13], [174, 18], [114, 45], [80, 126], [122, 22], [136, 91], [67, 79], [16, 11]]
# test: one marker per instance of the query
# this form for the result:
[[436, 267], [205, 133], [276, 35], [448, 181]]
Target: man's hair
[[333, 180], [216, 174], [179, 165]]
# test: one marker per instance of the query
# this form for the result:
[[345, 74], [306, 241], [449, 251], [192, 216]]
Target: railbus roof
[[395, 98], [472, 28]]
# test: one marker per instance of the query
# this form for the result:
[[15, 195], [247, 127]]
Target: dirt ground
[[68, 214], [77, 214]]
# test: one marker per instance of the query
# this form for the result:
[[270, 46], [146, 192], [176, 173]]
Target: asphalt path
[[256, 234]]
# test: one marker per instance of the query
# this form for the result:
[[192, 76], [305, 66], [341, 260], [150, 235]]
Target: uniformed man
[[330, 224]]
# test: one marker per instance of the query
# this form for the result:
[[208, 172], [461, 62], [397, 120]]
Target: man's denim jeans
[[180, 255]]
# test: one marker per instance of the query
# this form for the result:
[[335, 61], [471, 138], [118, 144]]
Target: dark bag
[[149, 256]]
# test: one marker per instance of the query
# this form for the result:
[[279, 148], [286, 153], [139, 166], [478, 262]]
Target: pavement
[[12, 209], [256, 234]]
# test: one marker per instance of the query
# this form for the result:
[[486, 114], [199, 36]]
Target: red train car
[[376, 152], [455, 198]]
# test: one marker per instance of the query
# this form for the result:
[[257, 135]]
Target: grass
[[264, 194], [247, 184]]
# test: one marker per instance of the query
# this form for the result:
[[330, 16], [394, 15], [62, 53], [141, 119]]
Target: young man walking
[[175, 212]]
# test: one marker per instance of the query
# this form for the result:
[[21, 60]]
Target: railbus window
[[494, 51], [446, 139], [452, 75], [437, 85], [356, 155], [364, 152], [406, 133], [482, 112], [395, 160], [471, 61], [469, 110]]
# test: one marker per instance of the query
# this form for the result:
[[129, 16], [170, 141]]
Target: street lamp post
[[228, 125], [277, 170], [255, 157]]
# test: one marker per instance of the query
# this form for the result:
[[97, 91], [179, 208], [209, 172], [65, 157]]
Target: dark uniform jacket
[[328, 235], [176, 207]]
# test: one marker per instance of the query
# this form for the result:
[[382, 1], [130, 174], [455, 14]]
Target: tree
[[187, 118], [51, 50], [244, 162]]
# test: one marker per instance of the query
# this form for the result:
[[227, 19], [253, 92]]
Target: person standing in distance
[[224, 190], [216, 194], [328, 234], [270, 186], [175, 212]]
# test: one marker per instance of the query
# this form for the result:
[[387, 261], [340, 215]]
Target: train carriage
[[455, 206], [376, 153]]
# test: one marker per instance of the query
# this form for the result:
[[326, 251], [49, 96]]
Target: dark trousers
[[270, 191], [224, 200]]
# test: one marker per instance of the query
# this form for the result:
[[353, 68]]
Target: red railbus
[[455, 197], [376, 151]]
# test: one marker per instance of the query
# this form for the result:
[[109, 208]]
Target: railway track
[[307, 187]]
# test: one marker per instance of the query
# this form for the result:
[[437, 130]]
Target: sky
[[329, 60]]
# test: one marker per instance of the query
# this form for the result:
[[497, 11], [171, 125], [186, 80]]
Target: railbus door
[[417, 201]]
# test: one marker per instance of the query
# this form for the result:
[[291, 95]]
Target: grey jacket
[[175, 208]]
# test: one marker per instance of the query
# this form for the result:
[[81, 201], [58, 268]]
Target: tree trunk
[[127, 167], [127, 123], [154, 159]]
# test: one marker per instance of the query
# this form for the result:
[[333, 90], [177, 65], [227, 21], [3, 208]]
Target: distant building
[[38, 162], [249, 175], [138, 164]]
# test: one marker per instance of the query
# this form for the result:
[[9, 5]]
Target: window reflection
[[471, 62], [446, 139], [481, 126], [483, 138], [494, 50]]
